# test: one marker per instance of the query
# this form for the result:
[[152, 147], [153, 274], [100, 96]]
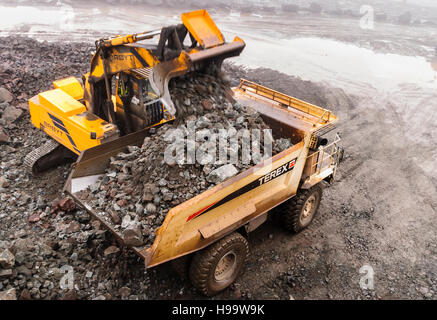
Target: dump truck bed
[[242, 200], [297, 113]]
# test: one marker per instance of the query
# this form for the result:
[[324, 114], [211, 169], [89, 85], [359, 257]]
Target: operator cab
[[137, 104]]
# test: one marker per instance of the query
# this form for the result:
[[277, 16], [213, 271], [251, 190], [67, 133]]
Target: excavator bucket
[[212, 44], [193, 61], [200, 24], [211, 52]]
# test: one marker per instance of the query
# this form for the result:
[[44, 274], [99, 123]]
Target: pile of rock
[[142, 185], [71, 257]]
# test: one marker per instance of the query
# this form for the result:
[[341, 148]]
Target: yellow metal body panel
[[61, 103], [121, 59], [67, 121], [200, 24], [71, 86]]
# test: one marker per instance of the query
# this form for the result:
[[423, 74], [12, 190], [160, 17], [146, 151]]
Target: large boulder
[[10, 294], [7, 259], [5, 95], [221, 174], [10, 114], [4, 183], [132, 235]]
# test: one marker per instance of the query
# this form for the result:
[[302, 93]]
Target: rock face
[[143, 184]]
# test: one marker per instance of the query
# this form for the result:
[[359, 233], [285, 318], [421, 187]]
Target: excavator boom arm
[[170, 58]]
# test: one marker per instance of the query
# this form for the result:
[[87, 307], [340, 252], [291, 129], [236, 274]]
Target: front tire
[[216, 267], [298, 213]]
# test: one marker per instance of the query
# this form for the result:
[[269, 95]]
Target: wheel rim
[[226, 267], [308, 210]]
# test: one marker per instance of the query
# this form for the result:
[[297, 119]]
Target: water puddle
[[317, 59]]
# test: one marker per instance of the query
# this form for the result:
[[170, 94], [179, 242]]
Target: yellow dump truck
[[206, 234]]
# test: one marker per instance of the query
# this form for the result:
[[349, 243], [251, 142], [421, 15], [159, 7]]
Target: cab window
[[149, 94], [123, 86]]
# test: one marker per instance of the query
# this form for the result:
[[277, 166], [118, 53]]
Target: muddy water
[[317, 59], [268, 44]]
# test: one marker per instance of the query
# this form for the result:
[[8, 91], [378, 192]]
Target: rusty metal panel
[[95, 160], [227, 50], [308, 110], [227, 220], [255, 223]]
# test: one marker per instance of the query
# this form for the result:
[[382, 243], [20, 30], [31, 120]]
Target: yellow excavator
[[79, 116]]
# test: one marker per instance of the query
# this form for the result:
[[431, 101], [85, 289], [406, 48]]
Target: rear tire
[[298, 213], [216, 267]]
